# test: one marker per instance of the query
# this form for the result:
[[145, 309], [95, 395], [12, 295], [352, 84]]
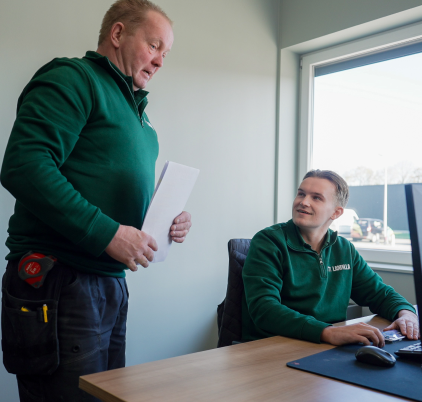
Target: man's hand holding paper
[[180, 227], [132, 246]]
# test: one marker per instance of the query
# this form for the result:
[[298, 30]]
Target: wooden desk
[[253, 371]]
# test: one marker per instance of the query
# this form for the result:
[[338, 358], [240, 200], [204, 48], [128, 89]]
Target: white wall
[[213, 106]]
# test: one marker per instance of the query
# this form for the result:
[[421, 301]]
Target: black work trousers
[[91, 331]]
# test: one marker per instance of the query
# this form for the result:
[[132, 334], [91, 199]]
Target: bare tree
[[401, 172], [363, 176], [417, 176]]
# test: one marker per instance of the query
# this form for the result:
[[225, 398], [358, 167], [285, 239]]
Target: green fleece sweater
[[292, 291], [80, 161]]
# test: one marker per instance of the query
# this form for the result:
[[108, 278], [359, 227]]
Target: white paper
[[170, 197]]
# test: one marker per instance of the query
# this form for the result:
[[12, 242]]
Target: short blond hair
[[131, 13], [342, 189]]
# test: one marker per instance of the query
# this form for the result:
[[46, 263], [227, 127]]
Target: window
[[360, 116]]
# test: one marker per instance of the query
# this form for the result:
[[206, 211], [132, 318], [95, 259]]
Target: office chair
[[229, 312]]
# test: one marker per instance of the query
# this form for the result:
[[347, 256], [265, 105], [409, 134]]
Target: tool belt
[[29, 325]]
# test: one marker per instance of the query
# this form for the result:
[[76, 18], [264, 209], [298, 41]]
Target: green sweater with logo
[[80, 161], [292, 291]]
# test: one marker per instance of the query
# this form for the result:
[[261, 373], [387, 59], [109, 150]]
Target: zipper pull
[[322, 268]]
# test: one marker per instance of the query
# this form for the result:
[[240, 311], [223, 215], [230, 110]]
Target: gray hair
[[131, 13]]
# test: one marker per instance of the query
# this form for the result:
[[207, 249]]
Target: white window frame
[[376, 43]]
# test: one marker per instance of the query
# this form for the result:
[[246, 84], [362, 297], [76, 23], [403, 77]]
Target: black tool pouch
[[30, 345]]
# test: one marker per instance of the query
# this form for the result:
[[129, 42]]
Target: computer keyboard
[[413, 351]]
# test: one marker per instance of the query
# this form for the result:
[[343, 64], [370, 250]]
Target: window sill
[[402, 269], [387, 257]]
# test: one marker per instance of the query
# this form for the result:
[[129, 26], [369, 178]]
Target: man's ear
[[337, 213], [116, 34]]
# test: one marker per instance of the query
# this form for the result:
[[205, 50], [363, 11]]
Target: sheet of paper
[[170, 197]]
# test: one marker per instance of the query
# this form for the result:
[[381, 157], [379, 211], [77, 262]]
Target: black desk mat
[[404, 379]]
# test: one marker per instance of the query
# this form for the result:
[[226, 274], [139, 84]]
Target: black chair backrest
[[229, 312]]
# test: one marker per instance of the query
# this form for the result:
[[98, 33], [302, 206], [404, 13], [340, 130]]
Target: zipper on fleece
[[322, 267], [131, 94], [321, 263]]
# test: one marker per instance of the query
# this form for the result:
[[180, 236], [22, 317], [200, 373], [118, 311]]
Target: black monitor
[[414, 215]]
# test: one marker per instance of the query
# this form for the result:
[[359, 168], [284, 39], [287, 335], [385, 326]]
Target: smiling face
[[315, 205], [141, 54]]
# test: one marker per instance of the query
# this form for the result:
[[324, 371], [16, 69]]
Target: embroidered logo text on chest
[[342, 267]]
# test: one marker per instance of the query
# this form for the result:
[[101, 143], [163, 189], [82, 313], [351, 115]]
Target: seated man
[[299, 275]]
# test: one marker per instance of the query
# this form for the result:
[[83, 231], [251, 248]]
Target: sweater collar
[[105, 63], [295, 240]]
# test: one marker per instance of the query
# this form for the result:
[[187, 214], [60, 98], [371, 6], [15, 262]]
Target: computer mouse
[[375, 356]]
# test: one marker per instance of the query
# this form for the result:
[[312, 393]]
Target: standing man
[[80, 162]]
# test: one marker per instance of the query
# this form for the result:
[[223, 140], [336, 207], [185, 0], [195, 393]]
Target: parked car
[[373, 230], [344, 225]]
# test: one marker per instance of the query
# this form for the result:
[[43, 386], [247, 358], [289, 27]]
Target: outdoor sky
[[367, 111]]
